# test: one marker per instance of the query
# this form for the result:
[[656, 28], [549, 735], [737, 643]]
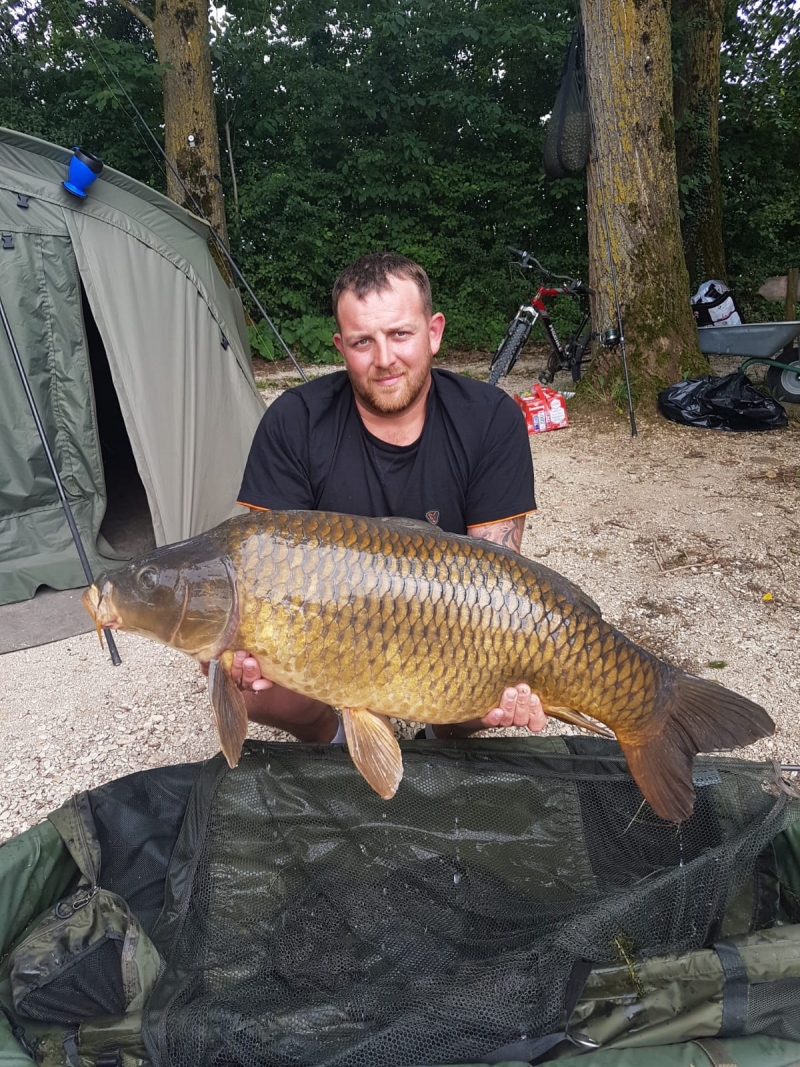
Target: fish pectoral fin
[[230, 712], [374, 749], [576, 719]]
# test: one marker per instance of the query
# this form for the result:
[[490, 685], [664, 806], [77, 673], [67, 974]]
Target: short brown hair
[[373, 273]]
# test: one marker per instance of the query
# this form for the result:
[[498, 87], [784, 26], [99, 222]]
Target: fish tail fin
[[695, 715], [230, 712]]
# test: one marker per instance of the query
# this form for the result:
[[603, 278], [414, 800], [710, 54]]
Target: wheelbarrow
[[770, 343]]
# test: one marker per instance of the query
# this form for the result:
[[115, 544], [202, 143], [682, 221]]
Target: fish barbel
[[393, 617]]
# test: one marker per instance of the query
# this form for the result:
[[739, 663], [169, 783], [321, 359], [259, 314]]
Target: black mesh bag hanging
[[566, 145]]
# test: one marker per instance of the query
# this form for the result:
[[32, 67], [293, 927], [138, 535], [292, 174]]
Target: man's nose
[[382, 353]]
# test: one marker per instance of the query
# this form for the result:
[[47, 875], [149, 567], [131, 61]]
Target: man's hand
[[518, 707], [246, 673], [274, 705]]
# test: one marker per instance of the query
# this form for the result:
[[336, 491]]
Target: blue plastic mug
[[83, 170]]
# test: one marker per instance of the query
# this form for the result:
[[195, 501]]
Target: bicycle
[[568, 356]]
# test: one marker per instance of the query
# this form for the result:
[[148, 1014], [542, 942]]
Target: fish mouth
[[100, 605]]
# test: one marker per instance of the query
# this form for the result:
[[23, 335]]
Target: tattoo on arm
[[507, 533]]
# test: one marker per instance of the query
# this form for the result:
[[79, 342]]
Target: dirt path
[[689, 540]]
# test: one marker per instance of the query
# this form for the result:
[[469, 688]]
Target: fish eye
[[147, 578]]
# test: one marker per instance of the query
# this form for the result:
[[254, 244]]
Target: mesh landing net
[[310, 922]]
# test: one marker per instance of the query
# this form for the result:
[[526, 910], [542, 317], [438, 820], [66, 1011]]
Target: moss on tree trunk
[[633, 192]]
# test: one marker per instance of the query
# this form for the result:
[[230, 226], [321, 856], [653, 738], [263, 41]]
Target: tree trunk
[[633, 189], [697, 39], [181, 33]]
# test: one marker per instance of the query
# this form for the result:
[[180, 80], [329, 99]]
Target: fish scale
[[396, 618]]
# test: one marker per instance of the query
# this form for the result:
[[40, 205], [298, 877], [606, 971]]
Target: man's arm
[[507, 532]]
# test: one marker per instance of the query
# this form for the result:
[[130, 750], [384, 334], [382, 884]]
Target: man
[[390, 436]]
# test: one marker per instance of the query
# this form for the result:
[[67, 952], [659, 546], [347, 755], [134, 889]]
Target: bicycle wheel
[[508, 350]]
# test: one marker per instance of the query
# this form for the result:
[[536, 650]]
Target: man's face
[[388, 343]]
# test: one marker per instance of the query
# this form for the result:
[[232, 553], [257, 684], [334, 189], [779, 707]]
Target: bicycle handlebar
[[574, 285]]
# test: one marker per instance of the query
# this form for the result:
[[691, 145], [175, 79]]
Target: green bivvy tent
[[137, 355]]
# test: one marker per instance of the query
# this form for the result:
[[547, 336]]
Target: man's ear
[[435, 330], [337, 342]]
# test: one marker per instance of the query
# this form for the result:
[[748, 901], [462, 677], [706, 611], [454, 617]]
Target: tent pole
[[87, 570]]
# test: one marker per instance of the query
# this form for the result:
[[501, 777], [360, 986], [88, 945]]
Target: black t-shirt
[[471, 464]]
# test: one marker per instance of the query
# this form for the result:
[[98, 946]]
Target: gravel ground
[[689, 541]]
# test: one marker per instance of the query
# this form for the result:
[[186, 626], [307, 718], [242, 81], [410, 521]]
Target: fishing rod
[[199, 212], [607, 230], [87, 570]]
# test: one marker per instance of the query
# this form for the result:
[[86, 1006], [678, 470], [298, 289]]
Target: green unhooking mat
[[515, 901]]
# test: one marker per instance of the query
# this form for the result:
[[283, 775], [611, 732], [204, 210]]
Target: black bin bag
[[728, 403]]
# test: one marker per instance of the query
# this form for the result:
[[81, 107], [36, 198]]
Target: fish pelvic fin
[[230, 712], [695, 715], [374, 749], [575, 718]]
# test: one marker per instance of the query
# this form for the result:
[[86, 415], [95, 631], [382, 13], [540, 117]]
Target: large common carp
[[394, 617]]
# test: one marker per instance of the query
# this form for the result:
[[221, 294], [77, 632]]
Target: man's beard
[[393, 403]]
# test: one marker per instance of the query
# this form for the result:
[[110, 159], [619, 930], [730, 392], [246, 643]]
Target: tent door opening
[[127, 527]]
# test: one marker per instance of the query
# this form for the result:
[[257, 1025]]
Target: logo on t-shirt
[[432, 517]]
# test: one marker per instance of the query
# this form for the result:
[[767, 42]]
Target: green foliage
[[760, 148], [56, 58], [311, 336], [262, 341], [416, 128]]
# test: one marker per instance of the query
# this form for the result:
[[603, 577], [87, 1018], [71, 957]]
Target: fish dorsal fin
[[374, 749], [567, 588], [410, 525], [230, 712]]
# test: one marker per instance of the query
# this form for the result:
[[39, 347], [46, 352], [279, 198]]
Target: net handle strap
[[531, 1048]]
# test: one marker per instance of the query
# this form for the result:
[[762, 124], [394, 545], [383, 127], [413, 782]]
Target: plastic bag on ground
[[728, 403]]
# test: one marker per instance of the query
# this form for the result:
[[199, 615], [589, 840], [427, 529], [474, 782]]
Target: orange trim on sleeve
[[496, 522], [253, 507]]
